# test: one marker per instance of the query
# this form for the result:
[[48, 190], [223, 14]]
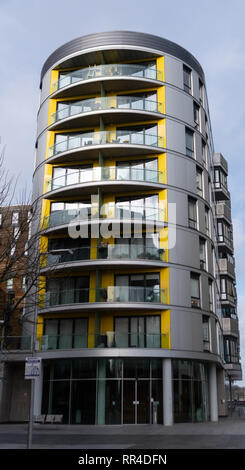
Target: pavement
[[227, 433]]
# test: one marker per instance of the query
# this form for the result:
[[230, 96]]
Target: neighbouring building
[[14, 234], [137, 322]]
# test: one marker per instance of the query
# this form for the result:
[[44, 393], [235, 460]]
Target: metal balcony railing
[[108, 70]]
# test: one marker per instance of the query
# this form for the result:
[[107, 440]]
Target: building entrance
[[136, 401]]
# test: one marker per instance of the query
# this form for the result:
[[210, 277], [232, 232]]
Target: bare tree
[[20, 254]]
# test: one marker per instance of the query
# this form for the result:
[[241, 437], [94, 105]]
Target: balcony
[[112, 296], [233, 369], [225, 242], [108, 339], [14, 344], [228, 297], [111, 178], [230, 327], [60, 220], [226, 267], [113, 144], [115, 254], [223, 210], [117, 77], [221, 191], [220, 161], [115, 109]]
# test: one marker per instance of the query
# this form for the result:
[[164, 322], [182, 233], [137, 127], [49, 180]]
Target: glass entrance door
[[136, 401]]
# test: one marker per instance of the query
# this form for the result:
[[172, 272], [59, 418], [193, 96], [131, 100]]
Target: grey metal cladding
[[117, 38]]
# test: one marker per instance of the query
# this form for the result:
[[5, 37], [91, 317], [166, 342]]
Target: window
[[204, 154], [187, 79], [16, 233], [206, 333], [65, 333], [12, 249], [144, 170], [201, 92], [138, 207], [227, 289], [196, 115], [220, 179], [136, 248], [138, 287], [23, 282], [206, 127], [138, 332], [231, 351], [224, 233], [207, 221], [189, 142], [192, 212], [15, 218], [147, 135], [68, 290], [211, 295], [10, 283], [195, 291], [199, 176], [203, 256], [67, 176]]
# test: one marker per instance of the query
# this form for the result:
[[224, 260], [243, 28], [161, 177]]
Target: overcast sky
[[212, 30]]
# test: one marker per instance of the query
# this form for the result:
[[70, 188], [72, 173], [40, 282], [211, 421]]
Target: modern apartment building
[[132, 324]]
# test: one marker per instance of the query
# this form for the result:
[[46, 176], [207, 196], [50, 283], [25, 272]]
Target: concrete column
[[167, 392], [222, 403], [213, 400]]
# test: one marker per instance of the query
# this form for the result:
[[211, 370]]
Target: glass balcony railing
[[109, 339], [108, 294], [108, 252], [131, 252], [14, 343], [105, 103], [107, 70], [104, 138], [111, 211], [121, 173]]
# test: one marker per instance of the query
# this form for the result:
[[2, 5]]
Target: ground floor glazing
[[123, 391]]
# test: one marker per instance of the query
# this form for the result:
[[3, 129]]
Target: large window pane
[[121, 332], [60, 399], [84, 368], [83, 402], [113, 402], [65, 337]]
